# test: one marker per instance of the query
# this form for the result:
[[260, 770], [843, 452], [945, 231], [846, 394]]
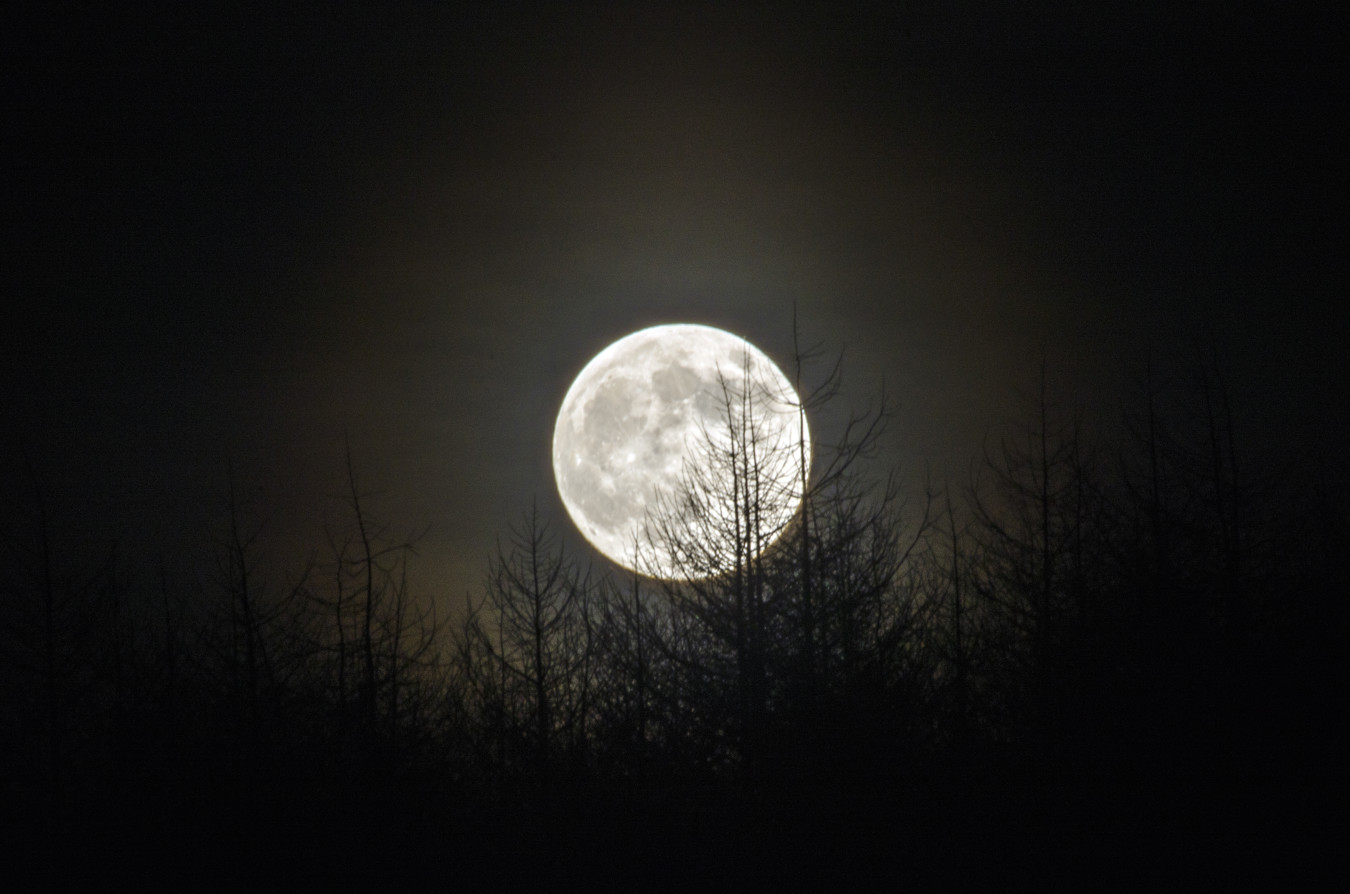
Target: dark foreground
[[1009, 822]]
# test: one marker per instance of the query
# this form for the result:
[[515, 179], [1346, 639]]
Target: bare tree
[[781, 608], [527, 649], [54, 647], [256, 640], [381, 642]]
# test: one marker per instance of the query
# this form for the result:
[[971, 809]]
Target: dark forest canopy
[[1128, 626]]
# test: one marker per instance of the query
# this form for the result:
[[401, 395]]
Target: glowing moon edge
[[651, 411]]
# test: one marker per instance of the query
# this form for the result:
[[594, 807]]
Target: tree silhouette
[[788, 613], [57, 649], [527, 648], [1037, 526], [1122, 623], [380, 643]]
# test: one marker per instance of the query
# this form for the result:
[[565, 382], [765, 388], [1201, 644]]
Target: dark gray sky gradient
[[241, 237]]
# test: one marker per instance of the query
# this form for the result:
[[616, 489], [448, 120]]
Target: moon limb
[[635, 419]]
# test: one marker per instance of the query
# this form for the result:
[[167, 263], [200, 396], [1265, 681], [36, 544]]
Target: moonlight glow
[[651, 410]]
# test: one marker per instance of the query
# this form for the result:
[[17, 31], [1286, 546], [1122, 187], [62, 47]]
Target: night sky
[[235, 239]]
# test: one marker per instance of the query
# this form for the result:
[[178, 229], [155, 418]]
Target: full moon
[[664, 413]]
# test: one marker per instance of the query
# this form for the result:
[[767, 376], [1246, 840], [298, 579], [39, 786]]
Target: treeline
[[1134, 620]]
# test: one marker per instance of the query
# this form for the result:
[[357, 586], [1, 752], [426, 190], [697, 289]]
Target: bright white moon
[[651, 409]]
